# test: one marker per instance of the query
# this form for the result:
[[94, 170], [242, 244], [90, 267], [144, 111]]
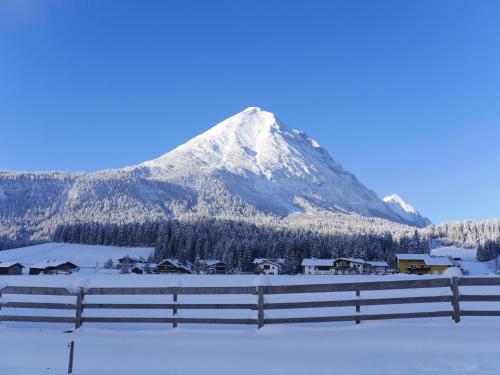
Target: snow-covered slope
[[250, 164], [81, 255], [406, 210]]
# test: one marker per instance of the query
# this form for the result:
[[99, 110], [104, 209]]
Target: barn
[[11, 268]]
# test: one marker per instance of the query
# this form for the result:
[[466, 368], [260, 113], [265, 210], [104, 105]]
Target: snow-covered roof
[[278, 261], [177, 263], [9, 264], [427, 259], [353, 260], [377, 263], [317, 262], [210, 262]]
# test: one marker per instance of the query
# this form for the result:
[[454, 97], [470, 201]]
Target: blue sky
[[406, 95]]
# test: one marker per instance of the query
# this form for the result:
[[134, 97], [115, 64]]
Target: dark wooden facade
[[11, 269], [168, 266]]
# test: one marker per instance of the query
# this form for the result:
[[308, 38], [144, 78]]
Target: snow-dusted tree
[[108, 264]]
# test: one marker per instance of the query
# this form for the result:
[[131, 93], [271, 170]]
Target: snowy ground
[[455, 252], [417, 346], [86, 256], [384, 348]]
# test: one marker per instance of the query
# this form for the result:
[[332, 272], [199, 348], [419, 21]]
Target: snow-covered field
[[379, 348], [455, 252], [413, 346], [81, 255], [467, 259]]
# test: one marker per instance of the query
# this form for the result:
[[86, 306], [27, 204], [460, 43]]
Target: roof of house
[[317, 262], [427, 259], [9, 264], [377, 263], [44, 265], [210, 262], [177, 263], [129, 258], [353, 260]]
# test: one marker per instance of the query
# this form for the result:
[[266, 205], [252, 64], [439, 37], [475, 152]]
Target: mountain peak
[[406, 210], [394, 198], [269, 166], [252, 109]]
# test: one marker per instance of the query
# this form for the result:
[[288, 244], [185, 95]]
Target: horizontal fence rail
[[79, 304]]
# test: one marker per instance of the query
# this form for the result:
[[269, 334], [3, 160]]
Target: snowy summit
[[269, 166], [406, 210]]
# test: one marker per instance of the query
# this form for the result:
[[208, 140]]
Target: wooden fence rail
[[80, 305]]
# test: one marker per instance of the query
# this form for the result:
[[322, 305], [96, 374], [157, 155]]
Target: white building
[[376, 267], [314, 266], [268, 266]]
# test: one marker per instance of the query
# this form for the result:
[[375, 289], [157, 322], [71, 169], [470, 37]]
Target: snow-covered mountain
[[249, 164], [406, 210]]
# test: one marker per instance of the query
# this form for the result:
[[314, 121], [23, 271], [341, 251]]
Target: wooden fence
[[260, 306]]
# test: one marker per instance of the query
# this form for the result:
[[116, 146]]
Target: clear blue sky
[[404, 94]]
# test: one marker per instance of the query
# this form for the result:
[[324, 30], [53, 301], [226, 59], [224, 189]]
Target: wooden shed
[[11, 268]]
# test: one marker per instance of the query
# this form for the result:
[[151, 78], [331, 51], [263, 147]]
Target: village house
[[172, 265], [349, 265], [314, 266], [268, 266], [421, 264], [137, 270], [143, 268], [11, 268], [379, 267], [210, 266], [53, 268], [129, 261]]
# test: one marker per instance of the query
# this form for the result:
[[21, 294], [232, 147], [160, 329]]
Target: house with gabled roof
[[11, 268], [210, 266], [421, 264], [373, 266], [172, 265], [315, 266], [267, 266]]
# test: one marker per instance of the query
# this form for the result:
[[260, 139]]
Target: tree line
[[237, 243]]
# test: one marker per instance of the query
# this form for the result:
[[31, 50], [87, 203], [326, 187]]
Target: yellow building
[[421, 264]]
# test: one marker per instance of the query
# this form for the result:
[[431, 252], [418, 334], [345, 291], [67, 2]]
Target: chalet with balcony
[[421, 264], [210, 266], [172, 265], [315, 266], [268, 266]]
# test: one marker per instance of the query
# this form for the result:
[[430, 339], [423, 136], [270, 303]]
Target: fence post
[[79, 308], [174, 308], [358, 307], [260, 306], [71, 350], [455, 300]]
